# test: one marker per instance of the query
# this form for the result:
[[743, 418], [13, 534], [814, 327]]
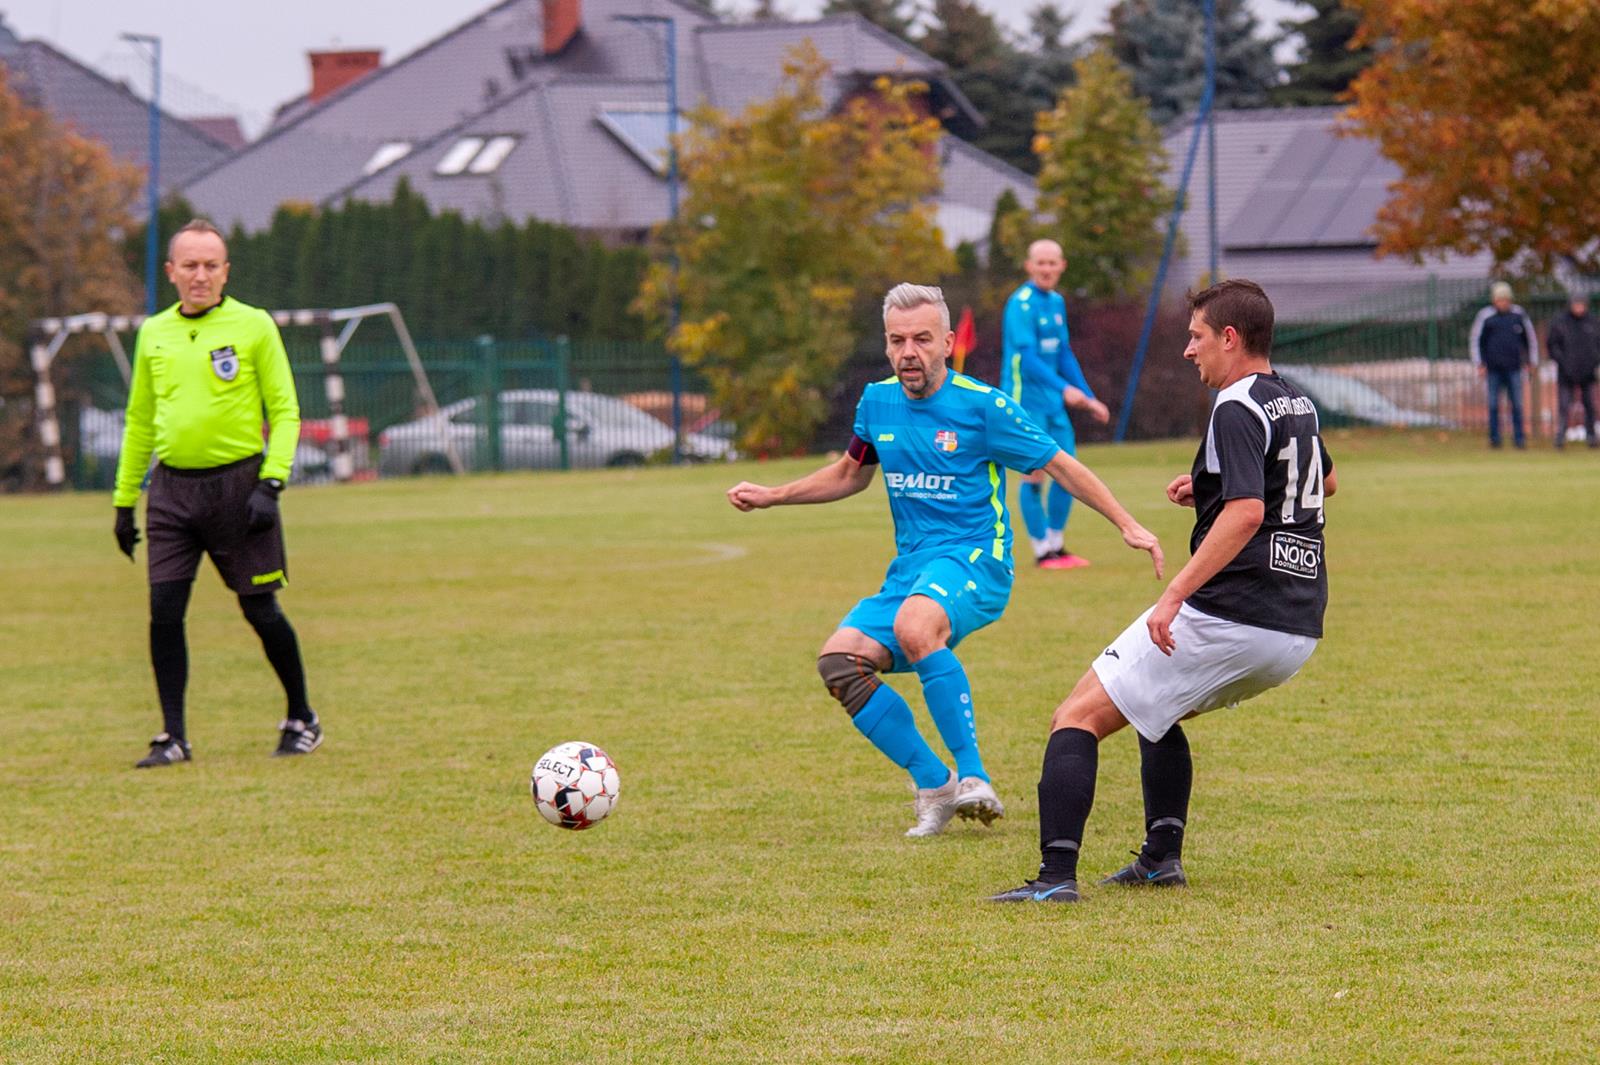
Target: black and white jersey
[[1263, 443]]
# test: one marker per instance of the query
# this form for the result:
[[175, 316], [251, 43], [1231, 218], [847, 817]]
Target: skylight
[[494, 153], [459, 155], [387, 153], [642, 129], [476, 155]]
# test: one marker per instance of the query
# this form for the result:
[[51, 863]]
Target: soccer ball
[[575, 785]]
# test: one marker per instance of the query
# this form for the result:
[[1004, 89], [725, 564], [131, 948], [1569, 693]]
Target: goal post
[[336, 327]]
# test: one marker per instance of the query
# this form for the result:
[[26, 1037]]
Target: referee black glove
[[127, 532], [262, 509]]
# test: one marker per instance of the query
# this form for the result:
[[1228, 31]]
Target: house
[[1296, 204], [557, 110], [107, 111]]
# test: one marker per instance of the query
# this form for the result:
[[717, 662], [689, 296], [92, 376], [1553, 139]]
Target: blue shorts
[[970, 583], [1058, 427], [1060, 430]]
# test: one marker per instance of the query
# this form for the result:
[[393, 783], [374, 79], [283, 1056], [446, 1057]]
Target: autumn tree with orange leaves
[[1489, 109], [63, 200]]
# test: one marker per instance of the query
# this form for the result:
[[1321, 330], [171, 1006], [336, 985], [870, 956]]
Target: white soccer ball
[[575, 785]]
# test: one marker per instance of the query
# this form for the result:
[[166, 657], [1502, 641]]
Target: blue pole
[[672, 201], [1166, 257], [1211, 136]]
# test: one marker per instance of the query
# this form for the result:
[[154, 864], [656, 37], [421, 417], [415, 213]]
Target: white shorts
[[1215, 663]]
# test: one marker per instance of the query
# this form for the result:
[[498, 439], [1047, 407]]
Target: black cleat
[[1142, 872], [1040, 891], [298, 737], [165, 749]]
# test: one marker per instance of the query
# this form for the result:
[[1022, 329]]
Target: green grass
[[1392, 857]]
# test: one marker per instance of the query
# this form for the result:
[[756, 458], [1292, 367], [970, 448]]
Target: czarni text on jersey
[[1284, 405]]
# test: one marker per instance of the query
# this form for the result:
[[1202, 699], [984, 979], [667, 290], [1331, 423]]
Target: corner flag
[[966, 339]]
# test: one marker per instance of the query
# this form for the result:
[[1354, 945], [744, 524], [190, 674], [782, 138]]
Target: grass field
[[1392, 857]]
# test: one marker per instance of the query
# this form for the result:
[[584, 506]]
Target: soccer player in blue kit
[[944, 441], [1040, 374]]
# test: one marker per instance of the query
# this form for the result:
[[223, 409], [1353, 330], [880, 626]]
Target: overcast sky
[[245, 59]]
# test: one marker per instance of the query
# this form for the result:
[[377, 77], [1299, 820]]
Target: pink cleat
[[1063, 560]]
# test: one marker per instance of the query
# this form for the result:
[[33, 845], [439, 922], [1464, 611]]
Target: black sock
[[1066, 794], [1167, 773], [169, 651], [283, 650]]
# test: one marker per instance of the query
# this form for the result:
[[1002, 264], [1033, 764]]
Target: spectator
[[1575, 349], [1501, 343]]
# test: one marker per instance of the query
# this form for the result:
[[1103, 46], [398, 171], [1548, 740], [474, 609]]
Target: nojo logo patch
[[225, 363], [1298, 556], [945, 439]]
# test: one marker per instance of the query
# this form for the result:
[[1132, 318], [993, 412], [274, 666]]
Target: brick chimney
[[562, 20], [332, 71]]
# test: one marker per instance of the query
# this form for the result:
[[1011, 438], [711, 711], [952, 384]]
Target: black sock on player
[[1066, 794], [169, 651], [1167, 774], [282, 648]]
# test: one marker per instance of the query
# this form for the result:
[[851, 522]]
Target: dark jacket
[[1503, 340], [1575, 346]]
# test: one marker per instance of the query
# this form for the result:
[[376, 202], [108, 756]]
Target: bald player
[[1039, 373]]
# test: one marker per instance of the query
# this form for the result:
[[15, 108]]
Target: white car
[[1339, 396], [600, 430]]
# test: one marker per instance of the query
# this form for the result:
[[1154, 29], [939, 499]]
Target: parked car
[[100, 439], [1341, 398], [600, 430]]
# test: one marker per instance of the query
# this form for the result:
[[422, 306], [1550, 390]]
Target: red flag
[[966, 339]]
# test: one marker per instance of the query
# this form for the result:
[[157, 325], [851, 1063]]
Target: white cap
[[1499, 290]]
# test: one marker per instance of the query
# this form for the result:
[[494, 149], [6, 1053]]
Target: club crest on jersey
[[225, 363], [945, 439]]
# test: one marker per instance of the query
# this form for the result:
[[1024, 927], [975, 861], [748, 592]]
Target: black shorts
[[195, 511]]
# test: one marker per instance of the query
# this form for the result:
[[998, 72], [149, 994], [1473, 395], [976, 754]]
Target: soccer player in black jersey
[[1240, 618]]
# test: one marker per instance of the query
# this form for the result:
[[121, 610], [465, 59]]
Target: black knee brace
[[169, 601], [851, 679], [260, 609]]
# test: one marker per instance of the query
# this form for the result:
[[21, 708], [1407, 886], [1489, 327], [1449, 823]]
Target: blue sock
[[1032, 510], [1060, 506], [949, 696], [886, 720]]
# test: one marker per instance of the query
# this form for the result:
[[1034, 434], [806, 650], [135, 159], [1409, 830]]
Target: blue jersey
[[1036, 359], [944, 462]]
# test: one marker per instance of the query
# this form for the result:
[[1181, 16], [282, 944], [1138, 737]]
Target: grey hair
[[907, 297]]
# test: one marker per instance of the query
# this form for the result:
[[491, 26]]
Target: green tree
[[991, 72], [1162, 43], [794, 219], [896, 16], [1327, 62], [1101, 195], [451, 276], [1489, 114]]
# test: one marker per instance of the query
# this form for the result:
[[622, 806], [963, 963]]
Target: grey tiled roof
[[485, 79], [106, 111], [1296, 202]]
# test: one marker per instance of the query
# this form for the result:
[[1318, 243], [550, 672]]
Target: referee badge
[[225, 364], [945, 439]]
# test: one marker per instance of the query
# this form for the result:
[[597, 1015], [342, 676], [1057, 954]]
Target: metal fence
[[503, 405], [1402, 359]]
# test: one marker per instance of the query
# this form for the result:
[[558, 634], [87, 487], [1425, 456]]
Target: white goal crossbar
[[50, 334]]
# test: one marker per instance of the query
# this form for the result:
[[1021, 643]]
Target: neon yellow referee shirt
[[201, 387]]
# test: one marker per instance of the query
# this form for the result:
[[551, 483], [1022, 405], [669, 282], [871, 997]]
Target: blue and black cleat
[[1040, 891], [1142, 872]]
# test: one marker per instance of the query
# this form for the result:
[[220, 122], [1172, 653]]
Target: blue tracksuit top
[[1036, 359]]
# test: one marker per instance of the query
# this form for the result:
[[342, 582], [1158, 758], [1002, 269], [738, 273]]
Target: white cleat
[[934, 808], [976, 801]]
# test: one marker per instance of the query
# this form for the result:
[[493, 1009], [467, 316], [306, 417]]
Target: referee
[[204, 372]]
